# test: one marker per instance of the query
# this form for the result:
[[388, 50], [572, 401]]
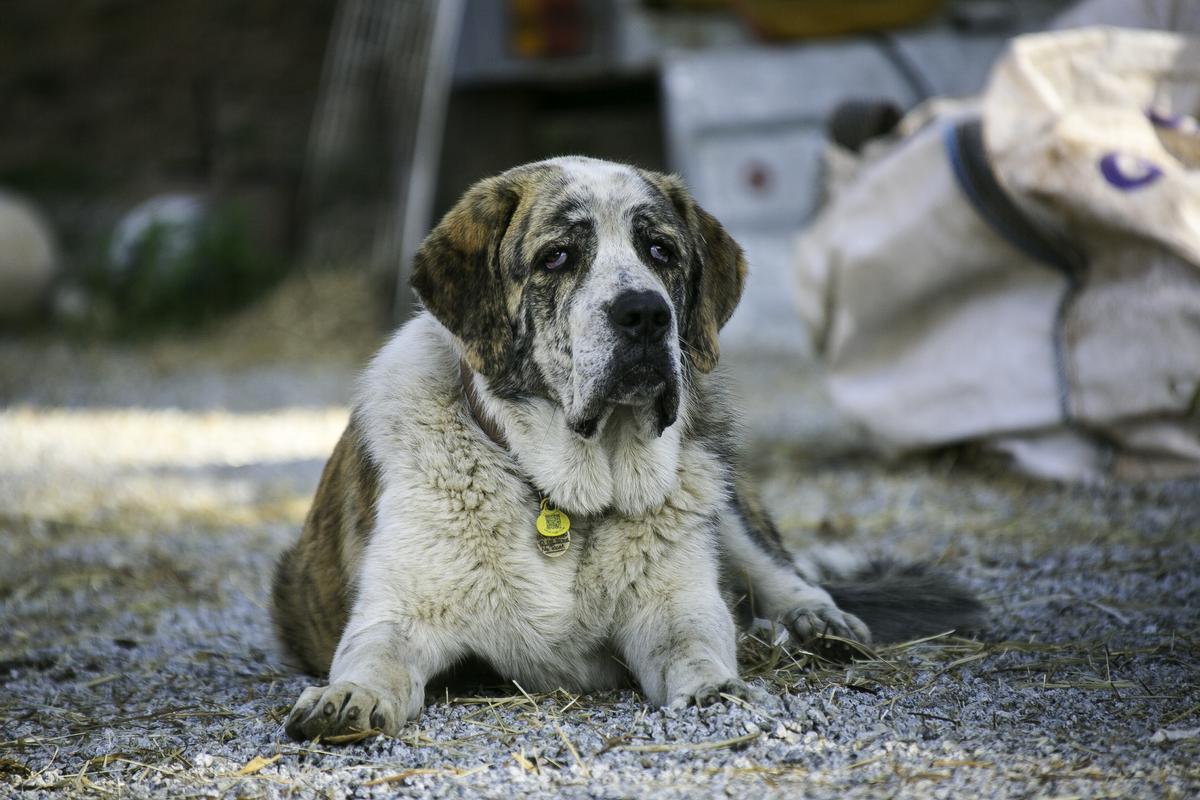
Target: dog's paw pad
[[340, 709], [710, 693], [810, 625]]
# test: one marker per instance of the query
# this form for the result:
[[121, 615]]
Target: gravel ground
[[136, 656]]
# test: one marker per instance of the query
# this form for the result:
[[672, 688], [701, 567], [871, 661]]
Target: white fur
[[610, 191], [626, 467], [776, 591], [453, 566]]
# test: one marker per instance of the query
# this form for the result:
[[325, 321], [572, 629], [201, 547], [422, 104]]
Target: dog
[[540, 472]]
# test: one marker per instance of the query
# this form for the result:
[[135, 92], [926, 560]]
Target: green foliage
[[180, 278]]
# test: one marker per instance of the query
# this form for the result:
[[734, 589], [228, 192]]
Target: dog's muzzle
[[642, 370]]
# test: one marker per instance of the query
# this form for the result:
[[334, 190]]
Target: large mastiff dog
[[539, 473]]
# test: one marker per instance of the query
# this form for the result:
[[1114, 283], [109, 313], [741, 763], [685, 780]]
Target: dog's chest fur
[[455, 540]]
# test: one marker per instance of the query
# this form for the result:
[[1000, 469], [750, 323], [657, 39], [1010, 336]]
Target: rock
[[28, 259]]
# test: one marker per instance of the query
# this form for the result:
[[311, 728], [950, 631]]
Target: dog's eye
[[660, 253], [556, 259]]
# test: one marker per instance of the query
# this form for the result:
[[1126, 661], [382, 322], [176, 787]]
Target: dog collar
[[471, 397], [553, 525]]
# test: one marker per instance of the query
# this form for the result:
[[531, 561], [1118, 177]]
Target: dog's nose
[[640, 315]]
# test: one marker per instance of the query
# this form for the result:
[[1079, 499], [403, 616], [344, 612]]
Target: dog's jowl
[[539, 472]]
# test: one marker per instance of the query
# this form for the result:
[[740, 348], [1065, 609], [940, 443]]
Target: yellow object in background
[[794, 19], [549, 28]]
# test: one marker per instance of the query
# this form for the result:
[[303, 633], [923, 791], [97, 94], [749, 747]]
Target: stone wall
[[106, 102]]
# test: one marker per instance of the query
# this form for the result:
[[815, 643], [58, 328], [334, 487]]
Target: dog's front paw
[[706, 693], [806, 624], [344, 708]]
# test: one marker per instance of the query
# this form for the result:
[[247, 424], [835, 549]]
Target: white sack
[[936, 328]]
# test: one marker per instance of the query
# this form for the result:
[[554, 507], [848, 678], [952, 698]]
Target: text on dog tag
[[554, 530]]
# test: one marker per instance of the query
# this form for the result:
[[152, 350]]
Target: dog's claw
[[341, 709], [710, 693], [807, 625]]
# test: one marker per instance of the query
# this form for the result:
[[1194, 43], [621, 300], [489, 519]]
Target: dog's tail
[[897, 601]]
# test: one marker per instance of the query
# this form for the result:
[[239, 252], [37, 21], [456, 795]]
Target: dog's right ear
[[457, 273]]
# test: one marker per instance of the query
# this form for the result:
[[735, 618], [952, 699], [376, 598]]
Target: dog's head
[[590, 283]]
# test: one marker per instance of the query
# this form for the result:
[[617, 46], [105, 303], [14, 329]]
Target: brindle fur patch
[[464, 272], [314, 581]]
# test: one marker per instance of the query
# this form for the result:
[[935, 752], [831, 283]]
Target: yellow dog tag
[[554, 530]]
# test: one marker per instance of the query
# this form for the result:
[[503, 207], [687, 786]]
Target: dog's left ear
[[721, 276], [458, 276], [718, 273]]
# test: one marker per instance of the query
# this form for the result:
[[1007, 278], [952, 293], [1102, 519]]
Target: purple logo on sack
[[1176, 122], [1127, 172]]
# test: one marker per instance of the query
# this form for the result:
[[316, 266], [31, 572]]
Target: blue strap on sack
[[968, 159]]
